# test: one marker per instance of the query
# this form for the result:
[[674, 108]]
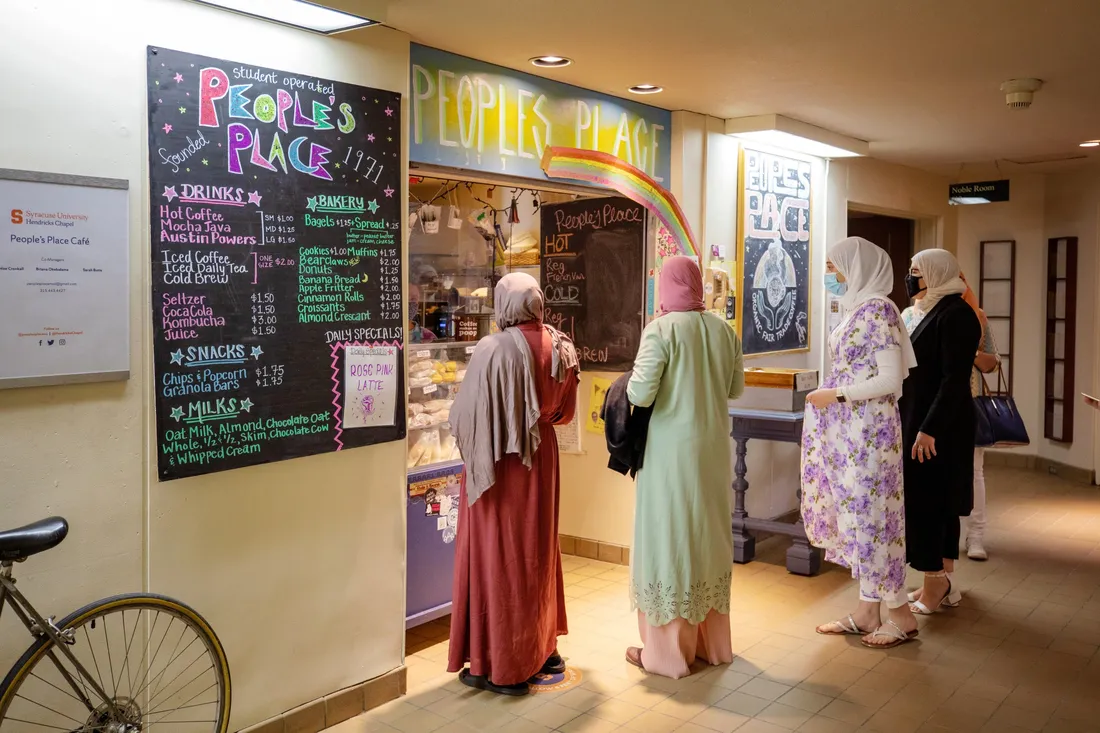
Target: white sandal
[[951, 600], [954, 598], [899, 637]]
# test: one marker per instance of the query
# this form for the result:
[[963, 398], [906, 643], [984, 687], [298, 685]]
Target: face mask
[[912, 285], [834, 286]]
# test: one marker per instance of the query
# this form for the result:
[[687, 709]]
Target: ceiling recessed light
[[646, 89], [551, 62], [295, 13], [1091, 144]]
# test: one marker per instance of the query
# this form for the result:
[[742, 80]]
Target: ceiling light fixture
[[1091, 144], [797, 136], [551, 62], [295, 13], [646, 89]]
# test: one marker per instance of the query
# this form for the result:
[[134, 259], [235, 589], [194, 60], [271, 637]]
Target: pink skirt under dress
[[671, 649]]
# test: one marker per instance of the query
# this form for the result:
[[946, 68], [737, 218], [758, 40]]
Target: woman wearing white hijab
[[937, 414], [853, 502]]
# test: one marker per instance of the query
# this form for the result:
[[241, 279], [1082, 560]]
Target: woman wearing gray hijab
[[509, 600]]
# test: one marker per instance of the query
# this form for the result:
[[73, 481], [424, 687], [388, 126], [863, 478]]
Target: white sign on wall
[[64, 279]]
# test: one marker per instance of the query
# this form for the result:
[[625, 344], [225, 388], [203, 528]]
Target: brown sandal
[[634, 657]]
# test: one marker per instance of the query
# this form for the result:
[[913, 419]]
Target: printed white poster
[[370, 386], [569, 435], [64, 281]]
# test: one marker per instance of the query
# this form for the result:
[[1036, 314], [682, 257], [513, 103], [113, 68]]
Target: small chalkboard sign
[[593, 273], [275, 229]]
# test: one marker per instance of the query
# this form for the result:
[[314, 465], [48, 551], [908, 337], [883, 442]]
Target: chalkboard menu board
[[774, 259], [276, 244], [592, 270]]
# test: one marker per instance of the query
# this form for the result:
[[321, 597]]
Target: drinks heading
[[474, 115]]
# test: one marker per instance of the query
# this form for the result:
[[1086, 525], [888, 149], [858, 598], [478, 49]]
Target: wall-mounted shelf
[[1061, 338], [997, 296]]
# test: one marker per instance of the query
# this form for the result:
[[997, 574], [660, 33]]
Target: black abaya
[[936, 401]]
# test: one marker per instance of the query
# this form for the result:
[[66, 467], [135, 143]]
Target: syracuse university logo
[[16, 216]]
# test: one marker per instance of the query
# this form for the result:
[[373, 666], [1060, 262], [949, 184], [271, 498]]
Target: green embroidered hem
[[664, 602]]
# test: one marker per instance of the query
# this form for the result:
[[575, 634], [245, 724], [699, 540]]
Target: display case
[[436, 372]]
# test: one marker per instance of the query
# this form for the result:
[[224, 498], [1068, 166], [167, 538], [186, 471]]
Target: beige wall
[[885, 188], [1020, 219], [299, 565], [1044, 207]]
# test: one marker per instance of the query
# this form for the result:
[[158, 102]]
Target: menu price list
[[275, 234]]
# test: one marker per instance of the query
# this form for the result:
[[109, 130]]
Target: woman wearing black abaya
[[937, 416]]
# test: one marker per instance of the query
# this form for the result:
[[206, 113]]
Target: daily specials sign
[[474, 115], [774, 260], [275, 229]]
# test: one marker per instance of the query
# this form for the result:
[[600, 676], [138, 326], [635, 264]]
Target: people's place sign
[[474, 115]]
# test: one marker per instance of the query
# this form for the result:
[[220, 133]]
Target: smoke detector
[[1020, 92]]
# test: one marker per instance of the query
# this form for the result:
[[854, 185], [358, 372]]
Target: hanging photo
[[429, 217]]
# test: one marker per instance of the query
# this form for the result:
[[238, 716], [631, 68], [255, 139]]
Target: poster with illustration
[[370, 386], [774, 261], [596, 397]]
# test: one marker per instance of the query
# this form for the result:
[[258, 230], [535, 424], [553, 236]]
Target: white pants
[[975, 523]]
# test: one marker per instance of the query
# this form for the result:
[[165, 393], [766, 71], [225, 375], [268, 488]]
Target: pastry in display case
[[436, 372]]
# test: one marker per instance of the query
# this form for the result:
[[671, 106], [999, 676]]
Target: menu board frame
[[276, 241], [794, 334]]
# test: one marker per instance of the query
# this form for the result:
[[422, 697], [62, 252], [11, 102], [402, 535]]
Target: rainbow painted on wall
[[606, 170]]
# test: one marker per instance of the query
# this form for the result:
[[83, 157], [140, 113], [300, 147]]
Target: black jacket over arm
[[936, 401], [625, 428]]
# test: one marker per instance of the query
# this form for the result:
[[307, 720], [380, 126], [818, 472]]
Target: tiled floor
[[1019, 655]]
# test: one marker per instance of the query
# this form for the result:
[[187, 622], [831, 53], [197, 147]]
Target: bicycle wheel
[[143, 662]]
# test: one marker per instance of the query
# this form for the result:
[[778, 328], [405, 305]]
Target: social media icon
[[50, 342], [61, 342]]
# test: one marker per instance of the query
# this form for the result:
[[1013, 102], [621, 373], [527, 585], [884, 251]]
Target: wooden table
[[782, 427]]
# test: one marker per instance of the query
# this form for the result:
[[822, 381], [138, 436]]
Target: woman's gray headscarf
[[497, 408]]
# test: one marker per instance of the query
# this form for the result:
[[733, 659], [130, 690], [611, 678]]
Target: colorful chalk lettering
[[275, 244]]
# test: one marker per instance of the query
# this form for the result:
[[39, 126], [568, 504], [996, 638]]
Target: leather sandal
[[848, 628], [897, 636]]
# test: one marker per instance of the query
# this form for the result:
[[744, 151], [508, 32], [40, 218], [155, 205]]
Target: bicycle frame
[[39, 627]]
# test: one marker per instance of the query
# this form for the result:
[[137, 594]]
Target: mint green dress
[[689, 365]]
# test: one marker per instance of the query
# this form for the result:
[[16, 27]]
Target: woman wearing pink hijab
[[689, 366]]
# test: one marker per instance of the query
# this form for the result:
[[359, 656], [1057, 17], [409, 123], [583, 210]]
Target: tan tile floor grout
[[1019, 655]]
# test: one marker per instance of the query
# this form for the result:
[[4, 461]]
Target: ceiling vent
[[1020, 92]]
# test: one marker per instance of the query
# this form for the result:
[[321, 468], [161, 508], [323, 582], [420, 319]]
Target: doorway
[[893, 234]]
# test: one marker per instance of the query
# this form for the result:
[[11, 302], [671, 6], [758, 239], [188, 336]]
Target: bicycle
[[52, 686]]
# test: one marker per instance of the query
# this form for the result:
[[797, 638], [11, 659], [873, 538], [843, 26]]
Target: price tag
[[470, 350], [423, 354], [805, 381], [431, 388]]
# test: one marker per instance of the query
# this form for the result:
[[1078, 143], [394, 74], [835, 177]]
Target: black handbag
[[999, 424]]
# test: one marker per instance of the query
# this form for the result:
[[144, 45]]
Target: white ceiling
[[918, 79]]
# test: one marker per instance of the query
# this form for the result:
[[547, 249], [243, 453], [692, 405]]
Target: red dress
[[509, 599]]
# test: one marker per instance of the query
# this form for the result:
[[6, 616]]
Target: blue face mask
[[833, 286]]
